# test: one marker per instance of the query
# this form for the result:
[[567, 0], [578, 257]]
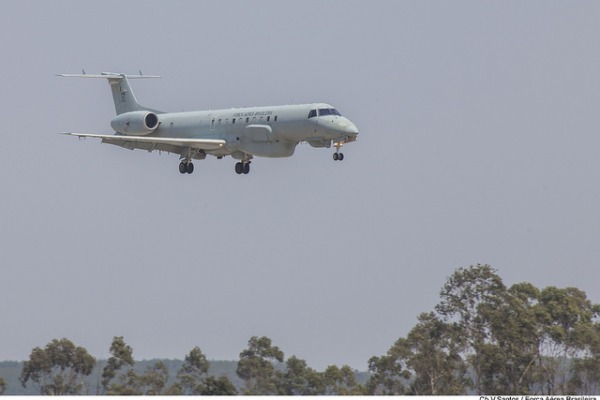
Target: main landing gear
[[186, 167], [242, 167]]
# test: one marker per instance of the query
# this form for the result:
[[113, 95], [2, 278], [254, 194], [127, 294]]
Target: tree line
[[481, 338]]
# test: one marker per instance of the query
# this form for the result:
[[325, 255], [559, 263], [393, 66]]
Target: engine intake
[[135, 123]]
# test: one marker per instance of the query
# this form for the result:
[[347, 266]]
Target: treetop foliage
[[481, 338]]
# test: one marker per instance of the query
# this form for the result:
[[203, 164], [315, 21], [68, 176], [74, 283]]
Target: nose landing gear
[[337, 156]]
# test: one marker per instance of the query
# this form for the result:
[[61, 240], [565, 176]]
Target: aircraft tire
[[189, 168], [182, 168], [239, 168], [336, 156], [341, 156], [246, 170]]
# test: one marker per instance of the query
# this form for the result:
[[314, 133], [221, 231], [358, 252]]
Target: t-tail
[[123, 96]]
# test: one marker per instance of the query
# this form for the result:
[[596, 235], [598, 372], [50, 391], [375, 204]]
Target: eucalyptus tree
[[568, 321], [121, 356], [388, 374], [154, 380], [585, 370], [256, 366], [193, 379], [511, 350], [59, 369], [340, 381], [465, 296], [192, 372], [299, 379]]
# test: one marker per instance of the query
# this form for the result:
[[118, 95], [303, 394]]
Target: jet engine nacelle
[[135, 123]]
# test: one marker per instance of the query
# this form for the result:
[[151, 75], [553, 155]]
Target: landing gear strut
[[337, 156], [186, 167], [242, 167]]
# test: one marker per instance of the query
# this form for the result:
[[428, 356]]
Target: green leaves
[[482, 337], [59, 368], [261, 368], [121, 356], [256, 366], [510, 340]]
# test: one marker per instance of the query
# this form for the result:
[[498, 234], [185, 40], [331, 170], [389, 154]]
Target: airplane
[[242, 133]]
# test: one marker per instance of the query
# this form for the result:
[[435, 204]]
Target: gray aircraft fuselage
[[259, 131]]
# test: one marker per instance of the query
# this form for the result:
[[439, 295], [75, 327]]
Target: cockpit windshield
[[324, 111]]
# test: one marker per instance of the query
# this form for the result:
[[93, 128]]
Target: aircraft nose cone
[[351, 129], [347, 127]]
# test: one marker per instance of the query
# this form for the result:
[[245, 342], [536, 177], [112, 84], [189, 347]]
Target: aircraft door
[[314, 122]]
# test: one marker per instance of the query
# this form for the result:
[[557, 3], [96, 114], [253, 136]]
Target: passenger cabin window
[[312, 113]]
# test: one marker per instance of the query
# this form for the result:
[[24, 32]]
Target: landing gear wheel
[[341, 156], [242, 168], [186, 167], [336, 156]]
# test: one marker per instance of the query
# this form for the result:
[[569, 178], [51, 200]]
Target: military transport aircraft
[[241, 133]]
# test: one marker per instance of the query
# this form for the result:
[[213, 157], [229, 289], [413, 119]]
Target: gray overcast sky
[[479, 144]]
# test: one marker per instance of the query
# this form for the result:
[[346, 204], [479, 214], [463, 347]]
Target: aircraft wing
[[154, 143]]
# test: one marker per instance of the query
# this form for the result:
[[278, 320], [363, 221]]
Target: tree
[[585, 378], [121, 356], [464, 297], [192, 372], [511, 349], [256, 366], [388, 375], [299, 379], [59, 368], [429, 356], [154, 381], [221, 386], [567, 317], [2, 386], [193, 379], [340, 381]]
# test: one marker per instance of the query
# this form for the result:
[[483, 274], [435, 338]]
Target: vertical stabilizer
[[123, 96]]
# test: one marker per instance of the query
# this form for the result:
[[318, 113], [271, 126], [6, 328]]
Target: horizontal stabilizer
[[109, 75]]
